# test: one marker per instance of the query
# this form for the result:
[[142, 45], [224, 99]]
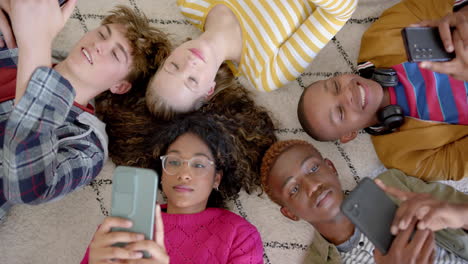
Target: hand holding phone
[[424, 44], [372, 211], [156, 248], [409, 246], [449, 23], [430, 213], [134, 198], [101, 249]]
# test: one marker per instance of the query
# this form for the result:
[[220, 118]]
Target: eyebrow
[[302, 164], [118, 44]]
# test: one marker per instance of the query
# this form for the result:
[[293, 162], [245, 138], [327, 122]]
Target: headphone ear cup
[[385, 77], [391, 117]]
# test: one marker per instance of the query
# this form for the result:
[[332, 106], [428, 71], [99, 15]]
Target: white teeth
[[85, 52], [363, 96]]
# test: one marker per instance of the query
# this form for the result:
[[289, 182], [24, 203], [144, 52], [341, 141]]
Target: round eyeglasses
[[198, 165]]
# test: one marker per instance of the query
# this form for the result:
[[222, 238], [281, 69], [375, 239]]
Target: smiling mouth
[[87, 55], [362, 92]]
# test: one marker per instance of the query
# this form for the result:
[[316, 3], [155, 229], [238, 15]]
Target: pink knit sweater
[[212, 236]]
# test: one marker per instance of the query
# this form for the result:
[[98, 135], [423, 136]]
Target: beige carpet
[[59, 232]]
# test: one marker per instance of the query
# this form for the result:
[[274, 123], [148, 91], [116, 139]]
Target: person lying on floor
[[429, 98], [269, 42], [306, 186], [204, 159], [52, 143]]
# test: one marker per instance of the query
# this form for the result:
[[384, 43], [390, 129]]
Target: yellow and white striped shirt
[[280, 37]]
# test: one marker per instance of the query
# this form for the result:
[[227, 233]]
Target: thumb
[[377, 254], [67, 9]]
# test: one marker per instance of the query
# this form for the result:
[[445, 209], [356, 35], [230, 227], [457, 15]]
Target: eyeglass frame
[[163, 158]]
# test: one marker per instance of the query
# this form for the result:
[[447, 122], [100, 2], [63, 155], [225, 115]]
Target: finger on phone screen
[[111, 222], [399, 194], [121, 237], [118, 253]]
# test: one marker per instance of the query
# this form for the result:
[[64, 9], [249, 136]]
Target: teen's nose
[[311, 186], [184, 173], [102, 46]]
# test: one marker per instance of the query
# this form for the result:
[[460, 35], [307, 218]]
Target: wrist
[[460, 213]]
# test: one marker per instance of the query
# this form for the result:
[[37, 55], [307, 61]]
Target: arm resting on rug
[[310, 37], [427, 150]]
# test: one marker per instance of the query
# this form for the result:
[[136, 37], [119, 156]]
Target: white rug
[[59, 232]]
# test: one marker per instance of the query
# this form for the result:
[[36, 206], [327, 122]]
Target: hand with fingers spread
[[8, 38], [418, 249], [455, 40], [155, 248], [101, 249], [430, 213]]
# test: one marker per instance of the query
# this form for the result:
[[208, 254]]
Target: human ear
[[348, 137], [331, 165], [211, 90], [121, 87], [217, 179], [285, 211]]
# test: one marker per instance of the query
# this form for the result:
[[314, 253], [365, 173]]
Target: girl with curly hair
[[205, 158]]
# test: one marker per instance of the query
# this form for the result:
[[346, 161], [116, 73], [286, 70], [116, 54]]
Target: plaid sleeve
[[8, 58], [43, 158]]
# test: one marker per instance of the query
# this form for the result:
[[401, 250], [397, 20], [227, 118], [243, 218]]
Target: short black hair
[[308, 128]]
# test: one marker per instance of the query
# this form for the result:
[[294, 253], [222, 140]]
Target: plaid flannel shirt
[[50, 146]]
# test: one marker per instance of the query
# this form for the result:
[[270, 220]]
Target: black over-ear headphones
[[390, 117]]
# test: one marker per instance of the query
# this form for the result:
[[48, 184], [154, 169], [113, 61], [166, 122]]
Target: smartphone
[[134, 197], [424, 44], [372, 211]]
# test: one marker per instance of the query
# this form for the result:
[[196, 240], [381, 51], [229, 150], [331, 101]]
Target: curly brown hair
[[150, 47], [237, 131], [161, 109], [269, 160]]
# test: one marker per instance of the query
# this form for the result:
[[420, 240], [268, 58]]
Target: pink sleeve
[[85, 259], [247, 246]]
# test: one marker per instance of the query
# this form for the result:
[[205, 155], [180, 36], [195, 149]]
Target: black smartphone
[[372, 211], [424, 44]]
